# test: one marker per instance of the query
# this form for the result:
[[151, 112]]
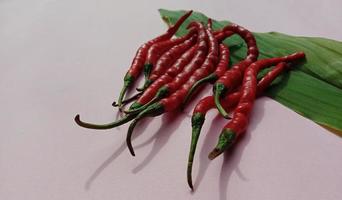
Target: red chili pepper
[[158, 52], [232, 78], [207, 103], [222, 66], [139, 59], [182, 77], [175, 99], [172, 72], [252, 54], [238, 124], [167, 59], [177, 67]]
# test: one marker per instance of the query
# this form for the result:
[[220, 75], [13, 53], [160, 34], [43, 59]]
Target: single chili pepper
[[231, 78], [139, 59], [220, 69], [207, 103], [175, 99], [182, 77], [167, 59], [239, 122], [177, 67]]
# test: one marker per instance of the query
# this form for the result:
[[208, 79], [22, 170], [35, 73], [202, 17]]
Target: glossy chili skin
[[231, 77], [195, 63], [168, 58], [159, 48], [187, 71], [239, 122], [252, 54], [139, 59], [230, 100], [221, 67], [207, 67], [165, 78], [228, 103], [173, 101], [161, 53]]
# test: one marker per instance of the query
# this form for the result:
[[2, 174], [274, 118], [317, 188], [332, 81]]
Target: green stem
[[219, 90], [210, 78], [151, 111], [147, 83], [226, 140], [124, 120], [147, 70], [126, 101], [162, 92], [128, 80], [139, 109], [197, 123], [129, 136]]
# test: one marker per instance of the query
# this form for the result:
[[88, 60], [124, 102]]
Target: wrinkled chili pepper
[[167, 60], [183, 76], [221, 68], [252, 54], [161, 55], [177, 67], [139, 59]]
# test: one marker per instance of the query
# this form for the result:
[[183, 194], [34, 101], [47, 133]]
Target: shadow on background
[[170, 123], [139, 129], [232, 158]]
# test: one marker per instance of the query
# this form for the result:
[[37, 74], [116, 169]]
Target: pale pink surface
[[59, 58]]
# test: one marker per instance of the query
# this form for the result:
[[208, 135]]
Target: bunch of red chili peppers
[[175, 68]]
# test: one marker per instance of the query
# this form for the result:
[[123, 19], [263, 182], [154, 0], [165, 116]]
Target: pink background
[[60, 58]]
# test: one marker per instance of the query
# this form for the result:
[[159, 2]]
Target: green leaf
[[313, 89]]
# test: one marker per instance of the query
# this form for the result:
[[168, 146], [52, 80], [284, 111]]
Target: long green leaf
[[313, 89]]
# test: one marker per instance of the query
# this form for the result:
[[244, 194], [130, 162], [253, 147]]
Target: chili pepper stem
[[210, 78], [129, 136], [126, 101], [153, 110], [128, 80], [162, 92], [147, 72], [137, 110], [197, 122], [124, 120], [226, 140], [146, 84], [219, 90]]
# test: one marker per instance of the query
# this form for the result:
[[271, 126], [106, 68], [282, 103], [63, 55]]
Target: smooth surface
[[60, 58]]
